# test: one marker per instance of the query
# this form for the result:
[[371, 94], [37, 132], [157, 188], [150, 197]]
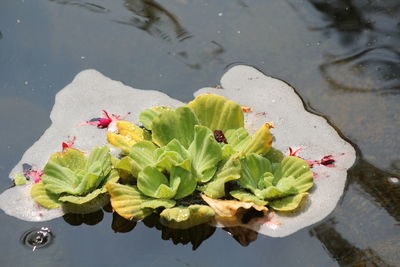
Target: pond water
[[342, 56]]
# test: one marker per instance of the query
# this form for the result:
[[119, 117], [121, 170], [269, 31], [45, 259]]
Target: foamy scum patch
[[270, 99]]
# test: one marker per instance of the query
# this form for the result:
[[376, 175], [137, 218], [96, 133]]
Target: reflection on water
[[372, 63], [159, 22], [374, 69], [359, 54], [377, 185], [89, 219], [194, 235], [153, 18], [342, 250], [89, 6]]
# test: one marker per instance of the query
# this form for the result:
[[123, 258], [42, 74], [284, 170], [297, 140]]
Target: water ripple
[[374, 69]]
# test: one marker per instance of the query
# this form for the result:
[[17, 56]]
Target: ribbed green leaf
[[99, 161], [260, 142], [147, 116], [143, 154], [71, 158], [247, 197], [288, 203], [58, 179], [298, 169], [126, 201], [228, 171], [217, 113], [174, 124], [153, 183], [187, 183], [44, 197], [186, 217], [173, 154], [205, 153], [238, 138], [253, 169], [157, 203]]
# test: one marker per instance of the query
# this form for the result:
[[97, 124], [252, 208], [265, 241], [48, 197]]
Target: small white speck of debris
[[18, 21], [393, 180], [238, 31], [26, 83], [220, 14], [83, 57]]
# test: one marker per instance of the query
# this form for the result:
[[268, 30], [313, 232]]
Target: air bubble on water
[[37, 238]]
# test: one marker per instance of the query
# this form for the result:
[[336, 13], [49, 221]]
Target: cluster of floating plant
[[191, 165]]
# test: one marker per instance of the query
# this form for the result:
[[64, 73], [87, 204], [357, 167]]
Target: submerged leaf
[[174, 124], [186, 217], [217, 113]]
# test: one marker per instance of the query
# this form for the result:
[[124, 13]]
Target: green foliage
[[70, 180], [217, 113], [283, 186]]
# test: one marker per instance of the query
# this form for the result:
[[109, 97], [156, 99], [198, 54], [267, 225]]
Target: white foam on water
[[271, 100]]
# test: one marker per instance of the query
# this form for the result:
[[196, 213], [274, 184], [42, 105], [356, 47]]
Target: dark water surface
[[342, 56]]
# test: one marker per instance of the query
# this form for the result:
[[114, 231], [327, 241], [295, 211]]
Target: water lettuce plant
[[74, 182], [177, 164], [198, 148]]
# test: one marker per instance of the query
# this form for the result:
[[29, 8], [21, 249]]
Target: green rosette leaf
[[174, 124], [253, 169], [238, 138], [147, 116], [126, 200], [143, 155], [44, 197], [217, 113], [69, 172], [173, 154], [289, 203], [205, 153], [268, 182], [58, 179], [155, 184], [229, 171], [298, 169], [186, 217], [71, 158], [187, 183], [261, 141], [247, 197]]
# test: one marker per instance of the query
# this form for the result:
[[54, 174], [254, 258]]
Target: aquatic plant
[[75, 183]]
